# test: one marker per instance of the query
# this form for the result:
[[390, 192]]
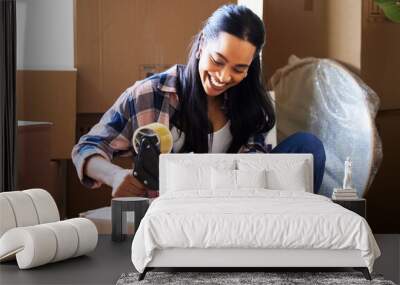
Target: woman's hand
[[125, 185], [121, 180]]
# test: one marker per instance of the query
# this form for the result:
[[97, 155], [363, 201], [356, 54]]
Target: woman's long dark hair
[[248, 105]]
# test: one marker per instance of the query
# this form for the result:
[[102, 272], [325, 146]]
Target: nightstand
[[358, 206]]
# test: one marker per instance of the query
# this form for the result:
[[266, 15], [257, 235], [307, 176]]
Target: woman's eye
[[215, 61], [238, 70]]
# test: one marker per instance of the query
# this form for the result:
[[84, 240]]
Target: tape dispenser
[[149, 142]]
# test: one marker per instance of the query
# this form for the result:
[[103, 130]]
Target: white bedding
[[250, 218]]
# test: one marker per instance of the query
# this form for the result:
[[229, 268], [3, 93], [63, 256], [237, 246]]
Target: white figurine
[[347, 180]]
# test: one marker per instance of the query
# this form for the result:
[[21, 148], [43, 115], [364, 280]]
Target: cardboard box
[[118, 41], [380, 57], [383, 198], [323, 29], [101, 217], [33, 155], [357, 34], [49, 95]]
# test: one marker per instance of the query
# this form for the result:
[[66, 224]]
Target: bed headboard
[[267, 160]]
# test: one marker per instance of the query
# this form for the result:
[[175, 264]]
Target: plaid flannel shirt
[[150, 100]]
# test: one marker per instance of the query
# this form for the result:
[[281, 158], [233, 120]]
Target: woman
[[216, 103]]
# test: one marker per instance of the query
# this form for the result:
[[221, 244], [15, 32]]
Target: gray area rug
[[231, 278]]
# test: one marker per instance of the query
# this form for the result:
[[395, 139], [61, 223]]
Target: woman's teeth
[[215, 83]]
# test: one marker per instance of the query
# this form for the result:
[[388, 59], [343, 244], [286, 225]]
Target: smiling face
[[224, 62]]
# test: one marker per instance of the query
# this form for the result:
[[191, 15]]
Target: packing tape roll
[[164, 136]]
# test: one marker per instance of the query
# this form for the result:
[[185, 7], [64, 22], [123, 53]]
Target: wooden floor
[[110, 260]]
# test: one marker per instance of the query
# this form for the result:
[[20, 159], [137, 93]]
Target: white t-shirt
[[221, 139]]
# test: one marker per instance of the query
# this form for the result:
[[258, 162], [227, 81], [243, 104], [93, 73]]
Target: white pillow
[[236, 179], [200, 160], [182, 177], [251, 178], [223, 179], [282, 173], [294, 178]]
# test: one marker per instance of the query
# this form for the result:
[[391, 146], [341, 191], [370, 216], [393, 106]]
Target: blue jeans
[[303, 142]]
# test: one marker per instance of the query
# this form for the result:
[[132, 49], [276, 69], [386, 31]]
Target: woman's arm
[[110, 137], [120, 180]]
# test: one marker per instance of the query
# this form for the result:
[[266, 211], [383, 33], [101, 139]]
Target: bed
[[247, 210]]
